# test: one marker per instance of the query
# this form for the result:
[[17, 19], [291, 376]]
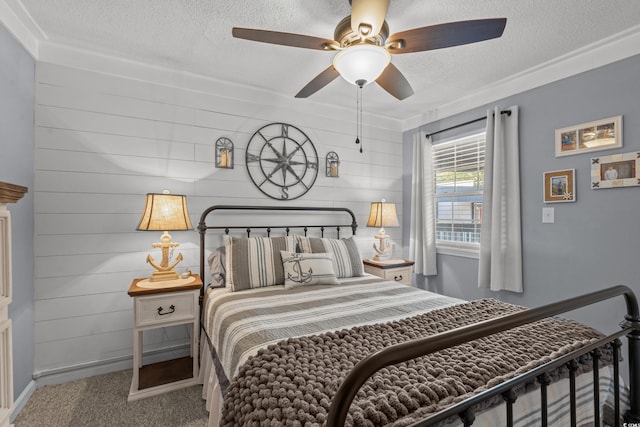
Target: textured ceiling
[[195, 36]]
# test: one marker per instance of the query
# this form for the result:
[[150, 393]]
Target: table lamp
[[382, 215], [165, 212]]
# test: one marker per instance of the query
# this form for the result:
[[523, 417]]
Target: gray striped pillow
[[255, 262], [346, 257]]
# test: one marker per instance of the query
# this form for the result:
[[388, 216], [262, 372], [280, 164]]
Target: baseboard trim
[[22, 400], [89, 369]]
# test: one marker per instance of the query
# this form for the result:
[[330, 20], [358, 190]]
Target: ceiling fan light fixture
[[361, 62]]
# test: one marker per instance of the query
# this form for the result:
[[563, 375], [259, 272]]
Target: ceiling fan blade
[[320, 81], [367, 16], [445, 35], [394, 82], [285, 39]]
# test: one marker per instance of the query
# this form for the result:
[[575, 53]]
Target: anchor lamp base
[[164, 270], [384, 246]]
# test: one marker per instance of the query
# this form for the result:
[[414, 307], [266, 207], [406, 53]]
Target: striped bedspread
[[240, 323]]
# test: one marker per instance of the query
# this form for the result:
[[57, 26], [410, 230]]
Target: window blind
[[458, 168]]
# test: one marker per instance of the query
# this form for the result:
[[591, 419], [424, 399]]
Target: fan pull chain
[[361, 137], [357, 115], [360, 84]]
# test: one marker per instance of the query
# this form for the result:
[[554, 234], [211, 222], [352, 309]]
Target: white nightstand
[[159, 308], [399, 270]]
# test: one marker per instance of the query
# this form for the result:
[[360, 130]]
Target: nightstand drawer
[[400, 275], [171, 307], [400, 271]]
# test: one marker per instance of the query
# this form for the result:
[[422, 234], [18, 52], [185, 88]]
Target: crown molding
[[18, 22], [615, 48]]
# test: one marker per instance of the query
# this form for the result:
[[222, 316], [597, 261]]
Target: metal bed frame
[[399, 353]]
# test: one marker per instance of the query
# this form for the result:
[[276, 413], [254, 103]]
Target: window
[[458, 168]]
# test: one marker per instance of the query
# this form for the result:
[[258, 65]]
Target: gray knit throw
[[291, 383]]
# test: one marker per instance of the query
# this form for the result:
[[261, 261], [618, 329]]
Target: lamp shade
[[165, 212], [383, 215], [361, 62]]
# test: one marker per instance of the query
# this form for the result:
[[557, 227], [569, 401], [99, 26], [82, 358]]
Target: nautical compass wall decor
[[282, 161]]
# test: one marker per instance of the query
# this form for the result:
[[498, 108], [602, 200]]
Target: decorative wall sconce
[[333, 164], [224, 153]]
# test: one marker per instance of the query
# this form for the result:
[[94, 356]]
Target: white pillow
[[308, 269]]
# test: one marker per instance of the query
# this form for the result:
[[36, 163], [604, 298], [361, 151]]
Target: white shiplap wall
[[104, 141]]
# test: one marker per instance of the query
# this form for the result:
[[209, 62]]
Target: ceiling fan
[[364, 46]]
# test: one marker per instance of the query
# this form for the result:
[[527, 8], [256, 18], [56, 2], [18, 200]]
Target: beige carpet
[[102, 401]]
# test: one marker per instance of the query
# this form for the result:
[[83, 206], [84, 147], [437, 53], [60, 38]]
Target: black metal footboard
[[420, 347]]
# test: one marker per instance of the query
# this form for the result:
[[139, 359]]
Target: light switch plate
[[548, 216]]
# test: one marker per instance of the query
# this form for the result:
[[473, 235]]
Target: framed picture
[[617, 170], [560, 186], [593, 136]]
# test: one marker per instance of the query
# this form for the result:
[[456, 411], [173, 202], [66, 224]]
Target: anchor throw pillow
[[308, 269]]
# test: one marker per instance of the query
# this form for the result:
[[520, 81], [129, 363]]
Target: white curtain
[[422, 240], [500, 266]]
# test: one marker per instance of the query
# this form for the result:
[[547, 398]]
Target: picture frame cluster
[[610, 171]]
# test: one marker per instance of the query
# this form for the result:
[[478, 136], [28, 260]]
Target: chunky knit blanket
[[293, 382]]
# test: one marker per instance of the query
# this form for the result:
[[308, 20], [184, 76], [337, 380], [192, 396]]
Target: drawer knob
[[172, 308], [397, 278]]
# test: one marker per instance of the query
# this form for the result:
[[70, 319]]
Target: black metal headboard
[[203, 227]]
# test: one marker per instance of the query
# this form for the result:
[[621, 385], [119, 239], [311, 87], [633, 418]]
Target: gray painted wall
[[594, 241], [17, 69]]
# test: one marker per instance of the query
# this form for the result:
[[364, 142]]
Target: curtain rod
[[507, 112]]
